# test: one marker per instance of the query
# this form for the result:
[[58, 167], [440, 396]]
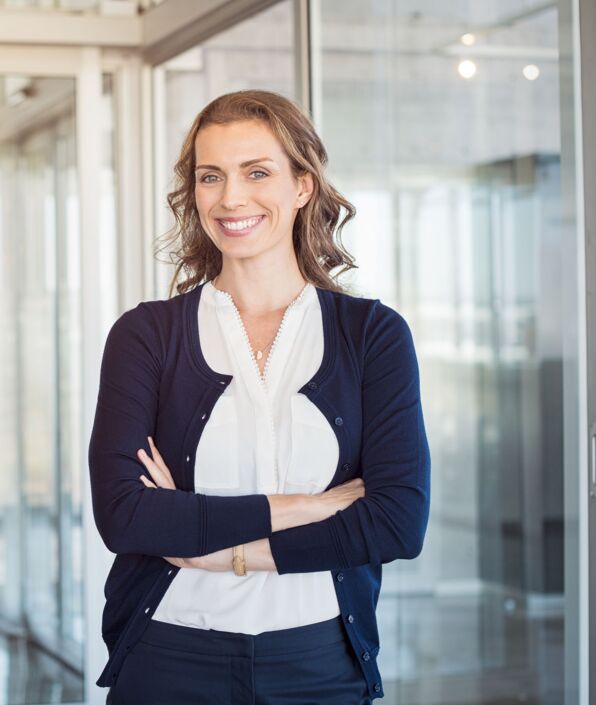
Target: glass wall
[[442, 125], [41, 483], [41, 596], [255, 53]]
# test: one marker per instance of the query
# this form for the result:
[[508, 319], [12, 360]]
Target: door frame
[[577, 43], [584, 34]]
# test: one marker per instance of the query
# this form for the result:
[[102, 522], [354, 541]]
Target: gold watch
[[238, 561]]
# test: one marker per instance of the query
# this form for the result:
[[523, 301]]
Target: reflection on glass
[[451, 155], [41, 566], [256, 53]]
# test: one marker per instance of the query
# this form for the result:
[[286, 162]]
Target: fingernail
[[150, 439], [142, 452]]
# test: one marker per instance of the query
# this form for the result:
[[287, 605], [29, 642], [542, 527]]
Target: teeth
[[240, 224]]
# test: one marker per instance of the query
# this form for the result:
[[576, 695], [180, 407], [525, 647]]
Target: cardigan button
[[365, 656], [188, 458], [312, 385], [340, 577], [346, 467], [377, 687], [350, 618], [339, 421], [147, 610]]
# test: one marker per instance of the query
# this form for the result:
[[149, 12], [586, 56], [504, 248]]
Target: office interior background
[[463, 133]]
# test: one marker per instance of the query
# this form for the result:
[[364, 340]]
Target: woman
[[238, 425]]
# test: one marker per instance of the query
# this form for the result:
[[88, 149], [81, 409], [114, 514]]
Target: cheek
[[203, 207], [278, 196], [201, 201]]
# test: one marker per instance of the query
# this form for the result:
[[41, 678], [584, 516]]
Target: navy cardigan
[[154, 381]]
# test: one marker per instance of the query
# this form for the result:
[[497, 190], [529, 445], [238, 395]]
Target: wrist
[[310, 508], [290, 510], [257, 556], [238, 560]]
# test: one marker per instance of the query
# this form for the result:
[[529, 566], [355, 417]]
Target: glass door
[[452, 155]]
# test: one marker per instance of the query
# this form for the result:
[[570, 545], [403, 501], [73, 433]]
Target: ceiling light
[[531, 72], [466, 68]]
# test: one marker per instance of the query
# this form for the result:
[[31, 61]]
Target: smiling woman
[[255, 154], [287, 453]]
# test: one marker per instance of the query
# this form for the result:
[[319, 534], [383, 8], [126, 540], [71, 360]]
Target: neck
[[257, 297]]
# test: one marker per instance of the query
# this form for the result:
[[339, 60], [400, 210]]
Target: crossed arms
[[281, 532]]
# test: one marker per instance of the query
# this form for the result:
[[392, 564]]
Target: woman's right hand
[[289, 510], [338, 498]]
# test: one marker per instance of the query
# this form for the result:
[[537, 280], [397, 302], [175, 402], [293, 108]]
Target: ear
[[306, 189]]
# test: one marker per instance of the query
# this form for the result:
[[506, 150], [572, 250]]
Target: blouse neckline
[[193, 342]]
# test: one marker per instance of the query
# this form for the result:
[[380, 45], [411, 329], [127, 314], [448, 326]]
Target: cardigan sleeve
[[133, 518], [390, 521]]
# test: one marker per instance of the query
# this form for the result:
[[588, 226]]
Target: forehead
[[240, 140]]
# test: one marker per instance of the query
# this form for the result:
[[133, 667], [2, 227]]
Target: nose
[[234, 194]]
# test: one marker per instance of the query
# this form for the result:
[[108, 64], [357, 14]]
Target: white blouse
[[263, 436]]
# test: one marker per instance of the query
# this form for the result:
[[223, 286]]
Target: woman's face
[[246, 195]]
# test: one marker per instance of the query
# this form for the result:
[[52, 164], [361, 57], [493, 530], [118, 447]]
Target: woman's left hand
[[157, 468], [162, 477]]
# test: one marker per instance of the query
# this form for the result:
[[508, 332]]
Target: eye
[[205, 179]]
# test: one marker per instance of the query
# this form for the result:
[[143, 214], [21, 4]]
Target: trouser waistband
[[213, 641]]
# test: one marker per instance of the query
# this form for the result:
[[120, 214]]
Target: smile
[[239, 227]]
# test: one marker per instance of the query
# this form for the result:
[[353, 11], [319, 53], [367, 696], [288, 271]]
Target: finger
[[154, 470], [158, 458], [147, 482], [179, 562]]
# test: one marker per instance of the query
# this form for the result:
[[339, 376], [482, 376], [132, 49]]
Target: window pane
[[451, 155]]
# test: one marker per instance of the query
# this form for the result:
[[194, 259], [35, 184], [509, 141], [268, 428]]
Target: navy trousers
[[176, 665]]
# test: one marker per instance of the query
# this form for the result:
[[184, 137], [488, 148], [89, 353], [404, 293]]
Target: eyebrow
[[244, 164]]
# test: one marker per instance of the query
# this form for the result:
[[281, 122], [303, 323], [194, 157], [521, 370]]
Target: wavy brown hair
[[316, 233]]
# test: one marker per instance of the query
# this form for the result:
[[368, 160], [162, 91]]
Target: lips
[[235, 227]]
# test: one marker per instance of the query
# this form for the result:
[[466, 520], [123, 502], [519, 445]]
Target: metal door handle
[[592, 460]]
